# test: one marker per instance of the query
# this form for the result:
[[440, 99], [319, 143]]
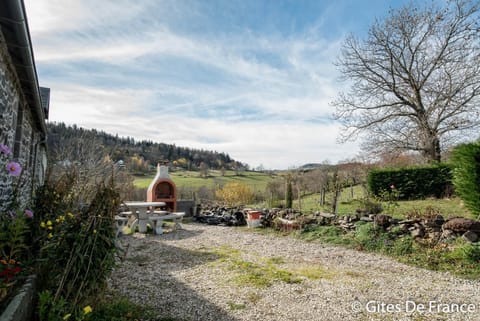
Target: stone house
[[23, 106]]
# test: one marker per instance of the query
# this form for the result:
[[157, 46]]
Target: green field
[[257, 181], [348, 203]]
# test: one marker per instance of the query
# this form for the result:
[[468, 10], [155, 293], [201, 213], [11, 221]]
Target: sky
[[251, 78]]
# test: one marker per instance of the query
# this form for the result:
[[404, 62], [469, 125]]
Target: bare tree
[[415, 79], [85, 158]]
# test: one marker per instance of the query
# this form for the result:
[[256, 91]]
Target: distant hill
[[127, 149], [311, 166]]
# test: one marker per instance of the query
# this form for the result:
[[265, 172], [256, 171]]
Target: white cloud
[[290, 92], [273, 144]]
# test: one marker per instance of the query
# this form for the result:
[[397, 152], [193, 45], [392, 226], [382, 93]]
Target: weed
[[235, 306], [402, 246], [121, 309], [276, 260], [254, 297], [327, 234], [315, 272], [139, 259], [371, 237]]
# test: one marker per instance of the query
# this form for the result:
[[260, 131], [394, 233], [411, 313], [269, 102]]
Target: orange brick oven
[[163, 189]]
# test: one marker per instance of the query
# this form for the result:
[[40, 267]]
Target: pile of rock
[[436, 228], [221, 216]]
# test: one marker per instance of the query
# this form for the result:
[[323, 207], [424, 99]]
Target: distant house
[[23, 104]]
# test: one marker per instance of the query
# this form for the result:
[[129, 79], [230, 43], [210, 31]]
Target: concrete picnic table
[[143, 212]]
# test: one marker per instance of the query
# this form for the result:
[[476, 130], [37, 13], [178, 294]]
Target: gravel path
[[202, 273]]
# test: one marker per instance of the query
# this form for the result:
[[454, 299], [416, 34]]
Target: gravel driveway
[[209, 272]]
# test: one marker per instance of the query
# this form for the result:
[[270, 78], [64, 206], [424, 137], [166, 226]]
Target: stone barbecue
[[163, 189]]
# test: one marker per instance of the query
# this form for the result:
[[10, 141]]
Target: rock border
[[21, 306]]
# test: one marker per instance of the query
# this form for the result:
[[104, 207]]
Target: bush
[[77, 245], [413, 182], [371, 237], [471, 252], [402, 246], [466, 175]]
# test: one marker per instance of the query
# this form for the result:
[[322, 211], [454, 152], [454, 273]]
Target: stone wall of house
[[18, 132]]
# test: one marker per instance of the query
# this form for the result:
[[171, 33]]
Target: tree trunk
[[432, 150]]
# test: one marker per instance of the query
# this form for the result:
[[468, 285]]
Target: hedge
[[466, 175], [412, 182]]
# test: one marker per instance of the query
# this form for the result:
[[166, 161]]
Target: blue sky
[[253, 79]]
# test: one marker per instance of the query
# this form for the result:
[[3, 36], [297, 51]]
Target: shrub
[[235, 193], [402, 246], [369, 237], [471, 252], [466, 175], [412, 182], [77, 244]]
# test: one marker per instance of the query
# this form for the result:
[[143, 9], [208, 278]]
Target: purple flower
[[4, 149], [29, 213], [14, 168]]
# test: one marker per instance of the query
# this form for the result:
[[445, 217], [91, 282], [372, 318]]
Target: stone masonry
[[19, 133]]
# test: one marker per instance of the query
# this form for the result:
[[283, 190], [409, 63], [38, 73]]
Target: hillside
[[257, 181], [72, 143]]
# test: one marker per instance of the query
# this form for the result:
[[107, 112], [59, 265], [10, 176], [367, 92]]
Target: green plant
[[402, 246], [471, 252], [50, 309], [15, 222], [390, 197], [77, 242], [372, 207], [371, 237], [412, 182], [327, 234], [466, 175], [235, 306], [121, 309]]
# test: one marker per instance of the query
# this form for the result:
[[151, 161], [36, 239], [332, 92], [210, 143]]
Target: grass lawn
[[448, 207]]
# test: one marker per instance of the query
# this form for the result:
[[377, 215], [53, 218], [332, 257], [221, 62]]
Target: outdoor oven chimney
[[163, 189]]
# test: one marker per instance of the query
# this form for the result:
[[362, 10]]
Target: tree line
[[76, 144]]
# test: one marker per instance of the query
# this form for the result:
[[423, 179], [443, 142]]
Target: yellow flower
[[67, 316], [94, 231], [50, 235], [50, 228], [70, 215], [49, 223], [88, 309], [57, 220], [42, 225]]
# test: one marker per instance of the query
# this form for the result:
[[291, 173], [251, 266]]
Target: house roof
[[14, 27]]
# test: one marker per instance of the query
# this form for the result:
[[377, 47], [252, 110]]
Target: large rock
[[417, 232], [382, 220], [436, 221], [462, 225], [470, 236]]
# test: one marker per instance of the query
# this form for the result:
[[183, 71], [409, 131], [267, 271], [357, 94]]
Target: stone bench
[[160, 216], [120, 223]]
